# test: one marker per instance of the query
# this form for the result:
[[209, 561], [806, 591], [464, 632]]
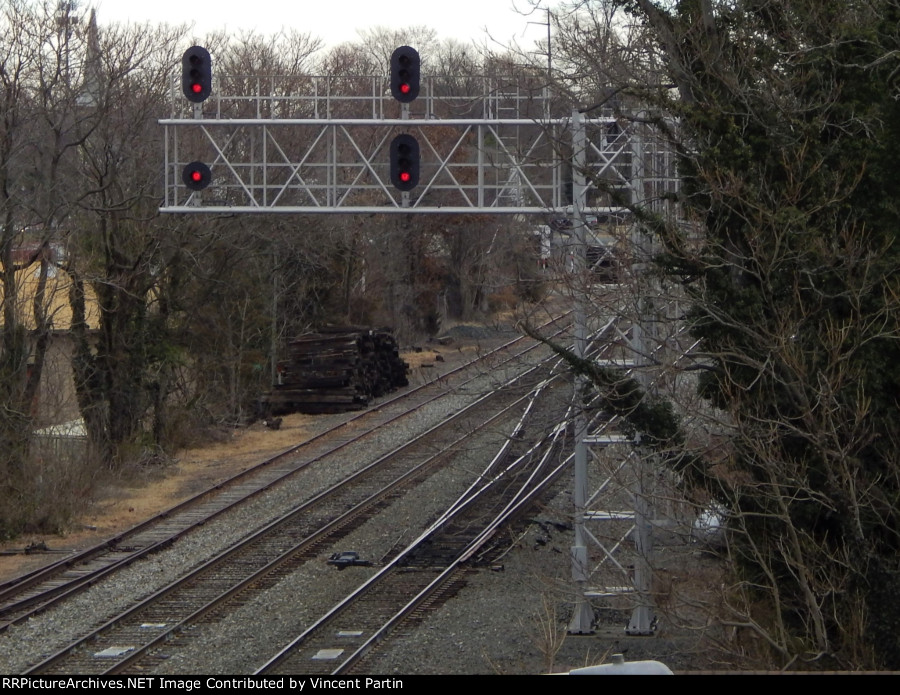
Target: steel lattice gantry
[[311, 145], [341, 166], [305, 149]]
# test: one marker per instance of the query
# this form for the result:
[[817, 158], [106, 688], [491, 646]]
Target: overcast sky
[[336, 20]]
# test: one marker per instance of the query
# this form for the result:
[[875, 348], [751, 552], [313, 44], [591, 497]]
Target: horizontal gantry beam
[[299, 210], [341, 165]]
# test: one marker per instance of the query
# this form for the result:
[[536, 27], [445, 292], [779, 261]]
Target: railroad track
[[29, 594], [427, 572], [421, 578], [259, 560]]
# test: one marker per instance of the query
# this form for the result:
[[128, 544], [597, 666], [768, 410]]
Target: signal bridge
[[323, 145], [403, 144]]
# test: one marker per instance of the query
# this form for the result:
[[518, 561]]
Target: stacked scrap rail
[[336, 370]]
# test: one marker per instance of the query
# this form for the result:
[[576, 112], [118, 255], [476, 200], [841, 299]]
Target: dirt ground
[[119, 506]]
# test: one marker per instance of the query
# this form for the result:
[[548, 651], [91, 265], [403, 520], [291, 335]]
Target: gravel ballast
[[508, 619]]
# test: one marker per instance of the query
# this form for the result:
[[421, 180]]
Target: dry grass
[[121, 504]]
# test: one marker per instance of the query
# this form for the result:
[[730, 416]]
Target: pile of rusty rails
[[338, 369]]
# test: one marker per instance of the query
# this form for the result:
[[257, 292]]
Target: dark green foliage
[[791, 128], [653, 418]]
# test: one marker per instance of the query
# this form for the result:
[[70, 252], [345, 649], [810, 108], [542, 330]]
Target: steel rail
[[325, 531], [301, 512], [513, 507], [26, 582], [462, 505]]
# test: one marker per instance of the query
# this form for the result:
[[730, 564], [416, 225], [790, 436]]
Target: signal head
[[196, 176], [405, 64], [196, 74], [404, 162]]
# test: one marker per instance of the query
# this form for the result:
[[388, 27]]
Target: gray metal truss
[[612, 551], [299, 146]]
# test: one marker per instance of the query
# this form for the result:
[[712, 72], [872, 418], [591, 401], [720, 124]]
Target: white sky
[[335, 20]]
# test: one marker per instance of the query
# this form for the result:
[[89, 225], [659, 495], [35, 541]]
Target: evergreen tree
[[788, 131]]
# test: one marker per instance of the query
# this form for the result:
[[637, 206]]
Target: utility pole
[[549, 25]]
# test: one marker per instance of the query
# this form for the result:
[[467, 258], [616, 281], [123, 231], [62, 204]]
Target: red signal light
[[196, 74], [404, 153], [196, 176], [405, 64]]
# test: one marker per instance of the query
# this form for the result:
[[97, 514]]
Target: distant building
[[56, 402]]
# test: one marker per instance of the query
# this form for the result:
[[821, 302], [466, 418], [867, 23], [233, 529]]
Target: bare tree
[[121, 249], [40, 128]]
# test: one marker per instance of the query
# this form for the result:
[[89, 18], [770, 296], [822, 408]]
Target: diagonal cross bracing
[[341, 165]]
